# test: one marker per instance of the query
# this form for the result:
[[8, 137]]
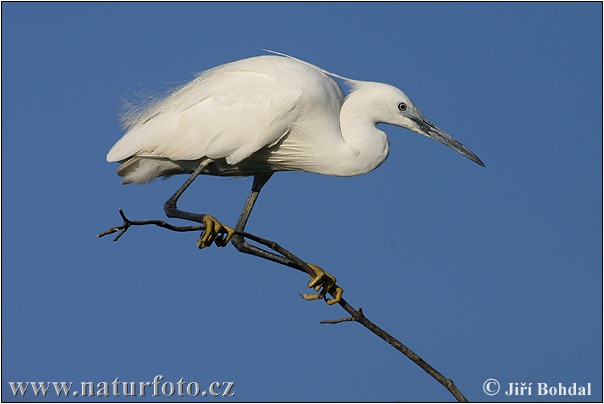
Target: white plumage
[[265, 114]]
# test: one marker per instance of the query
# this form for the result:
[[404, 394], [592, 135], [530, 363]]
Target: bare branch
[[355, 317], [294, 262], [161, 223], [337, 321]]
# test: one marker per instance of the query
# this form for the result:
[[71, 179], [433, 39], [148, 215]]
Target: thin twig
[[161, 223], [337, 321], [356, 315]]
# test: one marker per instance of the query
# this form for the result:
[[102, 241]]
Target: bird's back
[[228, 113]]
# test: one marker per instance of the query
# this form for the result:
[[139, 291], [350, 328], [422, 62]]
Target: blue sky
[[489, 272]]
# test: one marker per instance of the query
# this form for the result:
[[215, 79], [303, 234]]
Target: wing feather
[[224, 113]]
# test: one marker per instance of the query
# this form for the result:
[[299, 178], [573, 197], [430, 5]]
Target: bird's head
[[390, 105]]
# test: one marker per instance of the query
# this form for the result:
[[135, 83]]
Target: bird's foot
[[323, 283], [214, 232]]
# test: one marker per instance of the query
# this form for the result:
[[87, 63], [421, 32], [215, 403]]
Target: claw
[[214, 232], [338, 296], [323, 283]]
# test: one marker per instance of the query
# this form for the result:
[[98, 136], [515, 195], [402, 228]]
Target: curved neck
[[367, 146]]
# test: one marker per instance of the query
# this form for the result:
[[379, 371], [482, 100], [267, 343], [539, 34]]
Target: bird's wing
[[220, 114]]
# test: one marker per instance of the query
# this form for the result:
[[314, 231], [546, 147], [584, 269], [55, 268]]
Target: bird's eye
[[402, 106]]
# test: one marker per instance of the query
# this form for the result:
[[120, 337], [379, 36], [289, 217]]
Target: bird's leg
[[323, 283], [214, 231], [239, 242], [259, 182]]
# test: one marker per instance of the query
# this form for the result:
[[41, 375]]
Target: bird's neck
[[366, 145]]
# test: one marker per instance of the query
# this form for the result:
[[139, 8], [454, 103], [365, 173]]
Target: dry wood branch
[[337, 321], [296, 263], [121, 229]]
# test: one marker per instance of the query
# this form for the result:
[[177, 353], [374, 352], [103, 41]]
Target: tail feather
[[138, 169]]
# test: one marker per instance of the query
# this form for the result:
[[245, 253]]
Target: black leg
[[170, 205], [214, 231], [239, 242], [259, 182]]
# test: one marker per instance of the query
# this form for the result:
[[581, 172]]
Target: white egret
[[260, 115]]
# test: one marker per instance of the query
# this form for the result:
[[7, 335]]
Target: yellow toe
[[214, 232], [323, 283]]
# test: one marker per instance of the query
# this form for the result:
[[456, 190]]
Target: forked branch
[[295, 262]]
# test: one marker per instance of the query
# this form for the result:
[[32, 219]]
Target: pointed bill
[[426, 128]]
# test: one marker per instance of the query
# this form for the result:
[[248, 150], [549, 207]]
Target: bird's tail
[[141, 169]]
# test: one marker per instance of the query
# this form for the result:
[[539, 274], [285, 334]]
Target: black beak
[[426, 128]]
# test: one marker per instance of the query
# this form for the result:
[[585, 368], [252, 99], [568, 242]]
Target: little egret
[[260, 115]]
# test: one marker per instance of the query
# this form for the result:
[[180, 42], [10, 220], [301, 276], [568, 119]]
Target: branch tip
[[338, 320]]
